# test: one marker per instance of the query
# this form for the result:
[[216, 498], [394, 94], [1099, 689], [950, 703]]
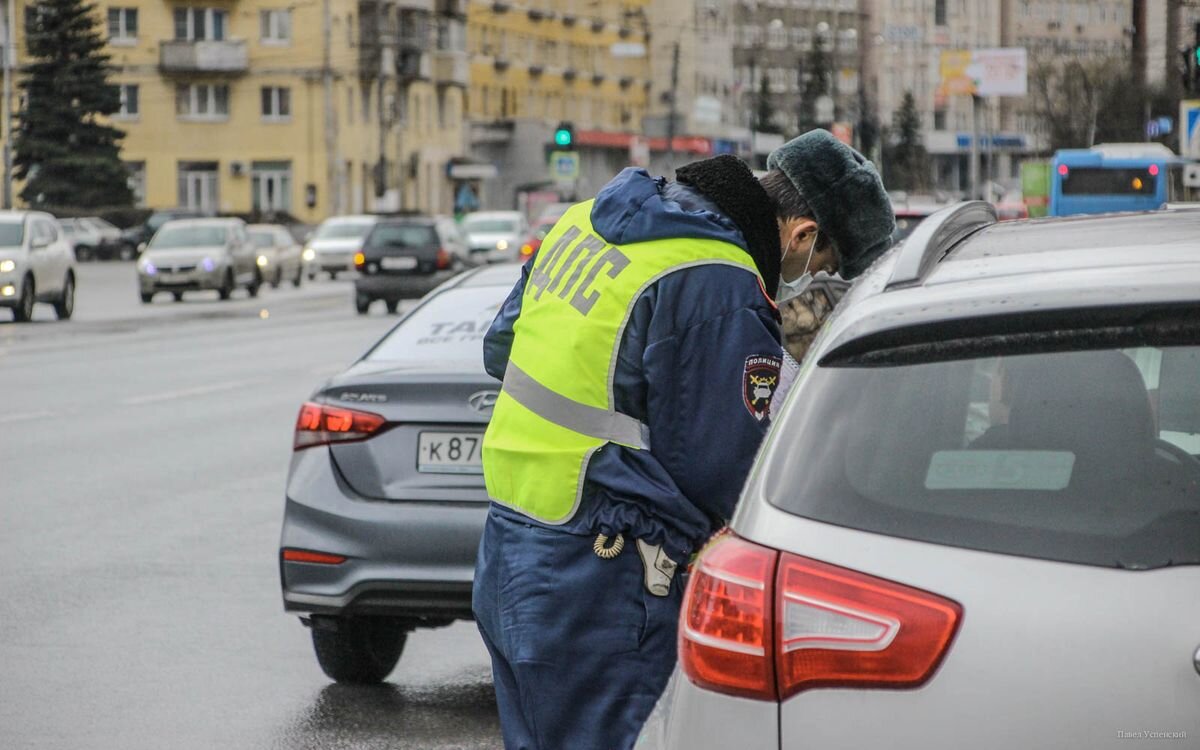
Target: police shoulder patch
[[760, 378]]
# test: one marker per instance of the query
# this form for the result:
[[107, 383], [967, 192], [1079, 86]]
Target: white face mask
[[799, 285]]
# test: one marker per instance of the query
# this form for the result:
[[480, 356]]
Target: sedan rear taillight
[[443, 259], [767, 625], [320, 424]]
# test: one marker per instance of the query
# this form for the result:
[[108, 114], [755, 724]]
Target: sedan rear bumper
[[394, 286], [412, 559]]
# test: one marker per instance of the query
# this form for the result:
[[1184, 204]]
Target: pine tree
[[907, 158], [65, 153], [818, 70]]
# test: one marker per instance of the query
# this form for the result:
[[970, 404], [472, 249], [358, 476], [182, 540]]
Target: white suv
[[36, 265]]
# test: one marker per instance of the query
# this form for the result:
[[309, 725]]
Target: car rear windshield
[[403, 235], [172, 238], [11, 234], [1084, 456], [447, 328], [343, 230]]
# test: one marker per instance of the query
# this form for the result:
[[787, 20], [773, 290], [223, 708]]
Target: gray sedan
[[385, 497]]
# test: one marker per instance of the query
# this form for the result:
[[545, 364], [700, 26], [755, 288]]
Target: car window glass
[[403, 235], [1066, 455], [262, 238], [11, 234], [171, 238], [343, 230], [448, 327], [490, 225]]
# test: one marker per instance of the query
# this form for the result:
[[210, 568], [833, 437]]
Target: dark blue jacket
[[681, 370]]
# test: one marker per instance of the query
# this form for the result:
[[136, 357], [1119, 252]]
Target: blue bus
[[1115, 177]]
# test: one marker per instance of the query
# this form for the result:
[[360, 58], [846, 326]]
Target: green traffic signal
[[562, 137]]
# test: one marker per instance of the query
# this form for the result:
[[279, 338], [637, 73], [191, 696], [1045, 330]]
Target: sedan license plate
[[398, 264], [450, 452]]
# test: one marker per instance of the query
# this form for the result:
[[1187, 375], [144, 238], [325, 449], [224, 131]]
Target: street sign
[[1189, 128], [564, 165], [1159, 127]]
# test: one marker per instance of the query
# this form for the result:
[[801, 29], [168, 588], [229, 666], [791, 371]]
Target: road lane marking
[[25, 416], [204, 390]]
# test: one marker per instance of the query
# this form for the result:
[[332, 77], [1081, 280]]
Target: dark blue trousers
[[580, 650]]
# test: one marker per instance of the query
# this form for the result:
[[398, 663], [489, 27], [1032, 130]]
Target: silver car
[[197, 254], [975, 521], [279, 256], [36, 265], [332, 247], [385, 497], [495, 236]]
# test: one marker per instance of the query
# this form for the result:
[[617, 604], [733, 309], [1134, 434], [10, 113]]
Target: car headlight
[[262, 261], [208, 264], [149, 269], [8, 266], [502, 245], [309, 254]]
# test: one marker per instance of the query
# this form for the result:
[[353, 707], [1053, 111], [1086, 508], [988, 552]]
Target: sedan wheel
[[392, 306], [65, 305], [127, 252], [23, 312], [296, 282], [362, 650], [178, 296]]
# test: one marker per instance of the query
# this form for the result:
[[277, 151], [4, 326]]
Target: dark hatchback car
[[385, 496], [406, 257]]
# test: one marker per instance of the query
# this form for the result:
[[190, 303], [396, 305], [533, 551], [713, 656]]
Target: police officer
[[639, 354]]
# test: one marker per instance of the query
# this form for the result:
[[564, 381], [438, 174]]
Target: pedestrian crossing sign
[[1189, 118]]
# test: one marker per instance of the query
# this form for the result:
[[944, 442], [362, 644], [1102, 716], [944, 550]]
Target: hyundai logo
[[481, 401]]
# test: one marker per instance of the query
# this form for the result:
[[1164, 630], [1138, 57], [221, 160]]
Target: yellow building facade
[[268, 106], [550, 60]]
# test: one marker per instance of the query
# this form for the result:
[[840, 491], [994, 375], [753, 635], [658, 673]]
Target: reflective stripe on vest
[[556, 407]]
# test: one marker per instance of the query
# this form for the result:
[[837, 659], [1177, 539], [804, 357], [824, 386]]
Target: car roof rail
[[935, 237]]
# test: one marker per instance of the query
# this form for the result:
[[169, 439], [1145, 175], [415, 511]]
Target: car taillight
[[319, 424], [443, 258], [766, 625], [309, 556], [360, 260], [725, 629], [841, 628]]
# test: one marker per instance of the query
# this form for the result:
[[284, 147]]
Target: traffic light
[[564, 135]]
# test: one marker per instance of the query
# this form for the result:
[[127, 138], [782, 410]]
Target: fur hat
[[845, 194]]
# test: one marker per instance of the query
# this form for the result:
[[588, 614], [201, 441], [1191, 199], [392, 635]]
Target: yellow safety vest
[[556, 407]]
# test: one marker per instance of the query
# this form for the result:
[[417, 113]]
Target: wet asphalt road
[[143, 453]]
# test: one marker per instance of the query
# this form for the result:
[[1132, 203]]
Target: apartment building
[[309, 109], [773, 40], [540, 62]]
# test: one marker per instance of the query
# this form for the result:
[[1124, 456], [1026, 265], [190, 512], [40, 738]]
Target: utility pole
[[1174, 85], [6, 104], [334, 200], [1140, 44], [381, 183], [671, 110]]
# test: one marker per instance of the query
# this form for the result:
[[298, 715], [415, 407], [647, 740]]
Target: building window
[[129, 101], [202, 101], [276, 103], [939, 119], [271, 186], [201, 24], [275, 26], [939, 12], [122, 25], [137, 181], [198, 186]]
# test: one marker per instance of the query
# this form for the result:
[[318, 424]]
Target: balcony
[[183, 56], [457, 8], [412, 65], [450, 67]]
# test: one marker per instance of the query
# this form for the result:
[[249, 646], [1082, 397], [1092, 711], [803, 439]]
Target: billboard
[[1001, 71]]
